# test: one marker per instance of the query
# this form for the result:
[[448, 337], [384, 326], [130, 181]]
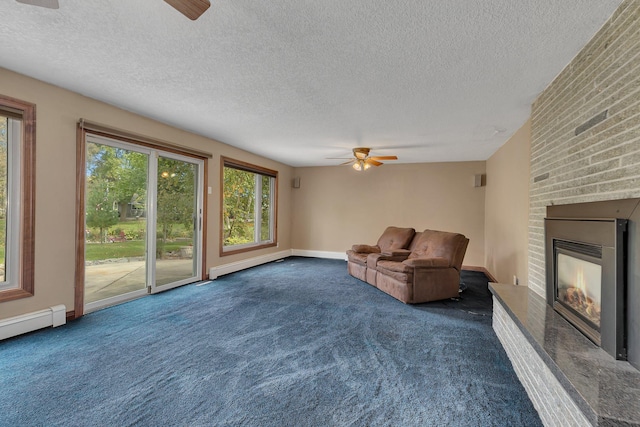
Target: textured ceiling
[[301, 80]]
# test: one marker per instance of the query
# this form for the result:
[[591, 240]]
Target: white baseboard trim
[[221, 270], [319, 254], [18, 325]]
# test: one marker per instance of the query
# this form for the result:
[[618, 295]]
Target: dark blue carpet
[[295, 343]]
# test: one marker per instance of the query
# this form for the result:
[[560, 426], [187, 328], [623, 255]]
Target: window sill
[[13, 294]]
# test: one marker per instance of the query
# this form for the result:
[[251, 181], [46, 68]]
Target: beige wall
[[507, 209], [336, 206], [57, 112]]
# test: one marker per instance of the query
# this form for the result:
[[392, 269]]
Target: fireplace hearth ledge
[[604, 390]]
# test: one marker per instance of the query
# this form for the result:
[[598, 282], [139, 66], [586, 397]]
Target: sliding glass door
[[143, 211], [178, 221]]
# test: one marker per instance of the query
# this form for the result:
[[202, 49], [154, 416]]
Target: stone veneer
[[570, 380], [596, 96], [549, 397]]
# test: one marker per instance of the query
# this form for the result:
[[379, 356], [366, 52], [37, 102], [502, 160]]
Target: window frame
[[273, 215], [25, 191]]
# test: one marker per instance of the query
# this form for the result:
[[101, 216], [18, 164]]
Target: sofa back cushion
[[395, 238], [441, 244]]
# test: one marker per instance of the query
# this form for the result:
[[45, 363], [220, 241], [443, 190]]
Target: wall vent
[[591, 122]]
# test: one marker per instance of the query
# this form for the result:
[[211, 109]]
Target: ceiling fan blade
[[338, 158], [373, 162], [384, 158], [192, 9], [49, 4], [346, 163]]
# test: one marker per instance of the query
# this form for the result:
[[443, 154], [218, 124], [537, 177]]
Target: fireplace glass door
[[585, 268], [579, 286]]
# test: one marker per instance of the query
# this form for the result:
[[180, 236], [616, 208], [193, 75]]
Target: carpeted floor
[[292, 343]]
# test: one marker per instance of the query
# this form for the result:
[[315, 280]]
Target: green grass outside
[[134, 246], [139, 227], [128, 249]]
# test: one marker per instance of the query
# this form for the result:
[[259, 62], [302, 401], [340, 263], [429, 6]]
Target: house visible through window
[[248, 207], [17, 183]]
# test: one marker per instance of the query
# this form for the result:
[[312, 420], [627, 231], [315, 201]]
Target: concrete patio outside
[[117, 278]]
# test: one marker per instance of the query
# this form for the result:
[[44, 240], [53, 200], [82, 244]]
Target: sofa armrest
[[365, 249], [427, 262], [397, 253], [397, 256]]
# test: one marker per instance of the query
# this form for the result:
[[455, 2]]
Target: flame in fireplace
[[576, 296], [580, 282]]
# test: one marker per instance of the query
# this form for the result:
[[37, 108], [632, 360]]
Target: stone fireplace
[[585, 150], [566, 345], [585, 265]]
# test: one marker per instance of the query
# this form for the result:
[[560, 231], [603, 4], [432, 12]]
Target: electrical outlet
[[515, 279]]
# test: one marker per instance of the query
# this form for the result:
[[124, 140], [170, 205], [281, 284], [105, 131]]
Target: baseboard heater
[[52, 316], [232, 267]]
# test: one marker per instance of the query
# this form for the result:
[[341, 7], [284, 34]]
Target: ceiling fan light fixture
[[361, 165]]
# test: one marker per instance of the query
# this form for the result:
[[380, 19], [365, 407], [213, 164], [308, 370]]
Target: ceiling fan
[[362, 161], [192, 9], [49, 4]]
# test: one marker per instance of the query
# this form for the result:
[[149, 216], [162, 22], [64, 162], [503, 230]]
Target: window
[[248, 207], [17, 184]]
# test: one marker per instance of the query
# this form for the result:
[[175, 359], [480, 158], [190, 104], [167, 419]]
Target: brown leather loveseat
[[412, 267]]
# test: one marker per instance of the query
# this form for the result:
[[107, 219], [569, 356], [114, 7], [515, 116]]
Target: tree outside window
[[17, 197], [248, 207]]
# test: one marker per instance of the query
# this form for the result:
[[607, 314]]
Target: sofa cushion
[[388, 266], [427, 262], [356, 257], [437, 244], [395, 238], [397, 270]]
